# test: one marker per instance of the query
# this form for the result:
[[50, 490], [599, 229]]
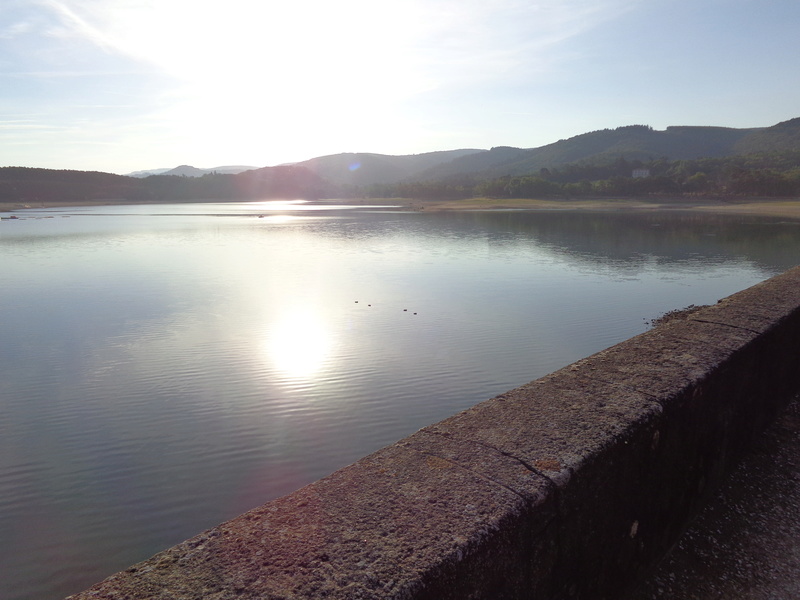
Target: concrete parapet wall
[[568, 487]]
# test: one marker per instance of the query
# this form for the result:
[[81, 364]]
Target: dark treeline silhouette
[[22, 184], [761, 174], [29, 185]]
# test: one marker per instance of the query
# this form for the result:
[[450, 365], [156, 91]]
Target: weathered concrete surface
[[568, 487]]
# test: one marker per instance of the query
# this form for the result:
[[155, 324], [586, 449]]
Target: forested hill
[[632, 142], [366, 168], [781, 137], [31, 186], [630, 160]]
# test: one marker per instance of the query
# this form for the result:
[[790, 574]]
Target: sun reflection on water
[[299, 344]]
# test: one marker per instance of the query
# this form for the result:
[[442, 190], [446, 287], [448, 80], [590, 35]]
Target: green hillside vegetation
[[766, 174], [634, 142], [679, 160], [478, 165], [360, 169], [628, 161], [783, 136]]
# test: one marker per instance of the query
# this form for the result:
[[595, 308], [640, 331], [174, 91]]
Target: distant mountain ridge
[[632, 142], [189, 171], [680, 159]]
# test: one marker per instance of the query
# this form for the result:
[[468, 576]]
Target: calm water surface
[[164, 368]]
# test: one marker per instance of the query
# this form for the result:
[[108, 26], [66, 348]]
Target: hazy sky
[[123, 85]]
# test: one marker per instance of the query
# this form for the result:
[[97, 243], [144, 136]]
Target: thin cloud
[[478, 40], [15, 30], [269, 82], [22, 124], [64, 74], [422, 43], [73, 25]]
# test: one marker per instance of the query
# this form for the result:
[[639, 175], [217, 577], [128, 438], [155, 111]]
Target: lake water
[[165, 368]]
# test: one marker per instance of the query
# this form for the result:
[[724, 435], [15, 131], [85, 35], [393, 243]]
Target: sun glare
[[255, 73], [299, 344]]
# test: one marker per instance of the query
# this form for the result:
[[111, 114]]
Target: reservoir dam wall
[[571, 486]]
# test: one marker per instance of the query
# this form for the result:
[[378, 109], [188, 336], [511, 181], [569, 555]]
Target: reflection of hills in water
[[631, 240], [625, 240]]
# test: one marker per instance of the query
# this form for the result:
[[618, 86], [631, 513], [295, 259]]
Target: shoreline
[[781, 207]]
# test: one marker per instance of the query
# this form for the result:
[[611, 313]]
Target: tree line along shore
[[736, 178]]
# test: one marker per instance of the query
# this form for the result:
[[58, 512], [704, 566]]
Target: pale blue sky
[[123, 85]]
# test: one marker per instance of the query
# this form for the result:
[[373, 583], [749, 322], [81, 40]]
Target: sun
[[251, 76]]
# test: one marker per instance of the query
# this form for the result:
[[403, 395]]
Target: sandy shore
[[783, 207]]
